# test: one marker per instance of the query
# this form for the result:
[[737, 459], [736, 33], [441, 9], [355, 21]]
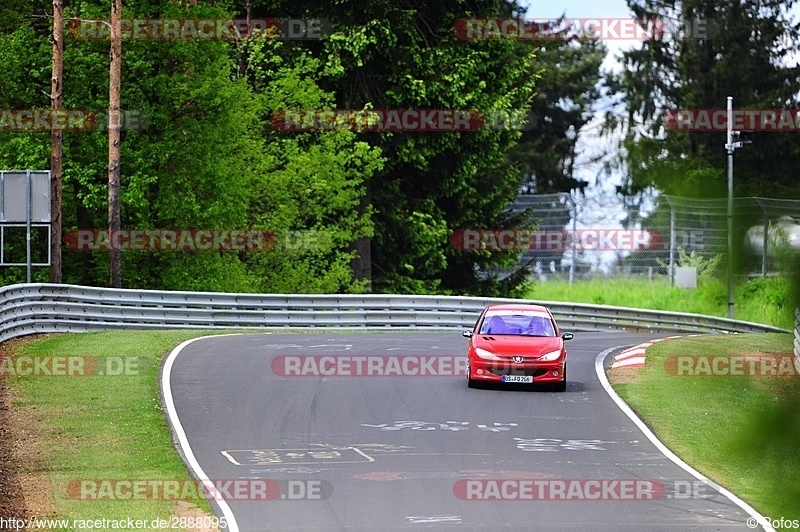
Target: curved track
[[388, 453]]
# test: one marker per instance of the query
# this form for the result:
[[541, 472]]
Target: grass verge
[[760, 300], [89, 426], [742, 432]]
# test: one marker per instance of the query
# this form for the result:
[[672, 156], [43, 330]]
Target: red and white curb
[[633, 357]]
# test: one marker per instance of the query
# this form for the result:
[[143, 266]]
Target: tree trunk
[[362, 262], [56, 139], [114, 124]]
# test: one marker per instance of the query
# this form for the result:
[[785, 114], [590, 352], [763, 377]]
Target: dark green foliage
[[746, 54], [210, 158]]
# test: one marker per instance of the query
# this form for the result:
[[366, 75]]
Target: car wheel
[[471, 383]]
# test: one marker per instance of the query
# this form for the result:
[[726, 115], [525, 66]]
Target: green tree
[[717, 48], [404, 55], [566, 91], [205, 159], [312, 184]]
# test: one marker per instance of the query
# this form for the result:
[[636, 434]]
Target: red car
[[517, 344]]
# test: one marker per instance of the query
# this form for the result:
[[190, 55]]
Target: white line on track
[[191, 461], [601, 375]]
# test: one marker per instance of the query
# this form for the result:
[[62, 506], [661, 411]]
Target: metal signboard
[[24, 202]]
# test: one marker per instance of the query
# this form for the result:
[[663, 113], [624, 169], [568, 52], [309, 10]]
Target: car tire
[[471, 383]]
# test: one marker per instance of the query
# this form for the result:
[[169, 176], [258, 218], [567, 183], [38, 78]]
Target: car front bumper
[[493, 370]]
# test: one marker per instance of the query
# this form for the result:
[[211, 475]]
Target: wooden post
[[56, 142], [114, 123]]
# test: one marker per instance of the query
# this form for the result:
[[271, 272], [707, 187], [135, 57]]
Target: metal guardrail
[[797, 332], [39, 308]]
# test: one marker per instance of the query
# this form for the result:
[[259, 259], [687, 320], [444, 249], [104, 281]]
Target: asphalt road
[[418, 452]]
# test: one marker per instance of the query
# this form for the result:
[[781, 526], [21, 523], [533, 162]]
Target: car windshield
[[518, 324]]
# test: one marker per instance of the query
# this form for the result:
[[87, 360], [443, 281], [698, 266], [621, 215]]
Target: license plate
[[523, 379]]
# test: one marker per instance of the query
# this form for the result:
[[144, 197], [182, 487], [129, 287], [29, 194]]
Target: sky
[[585, 9]]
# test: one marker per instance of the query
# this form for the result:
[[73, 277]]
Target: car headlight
[[486, 355], [549, 357]]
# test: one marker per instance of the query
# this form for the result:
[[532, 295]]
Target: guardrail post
[[671, 245], [574, 261], [764, 251], [28, 216]]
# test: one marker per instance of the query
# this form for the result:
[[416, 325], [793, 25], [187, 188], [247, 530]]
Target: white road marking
[[227, 455], [423, 349], [263, 457], [601, 375], [454, 426], [370, 447], [293, 470], [194, 465], [422, 519], [277, 346], [550, 444], [347, 347]]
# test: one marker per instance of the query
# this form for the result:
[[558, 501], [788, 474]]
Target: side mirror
[[567, 336], [466, 333]]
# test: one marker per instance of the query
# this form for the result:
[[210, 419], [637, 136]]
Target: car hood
[[526, 346]]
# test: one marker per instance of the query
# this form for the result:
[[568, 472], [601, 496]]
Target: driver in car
[[539, 326]]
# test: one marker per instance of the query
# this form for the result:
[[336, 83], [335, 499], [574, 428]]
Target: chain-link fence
[[580, 238], [541, 249]]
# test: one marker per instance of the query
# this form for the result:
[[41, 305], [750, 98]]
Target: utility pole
[[56, 141], [733, 141], [114, 124]]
